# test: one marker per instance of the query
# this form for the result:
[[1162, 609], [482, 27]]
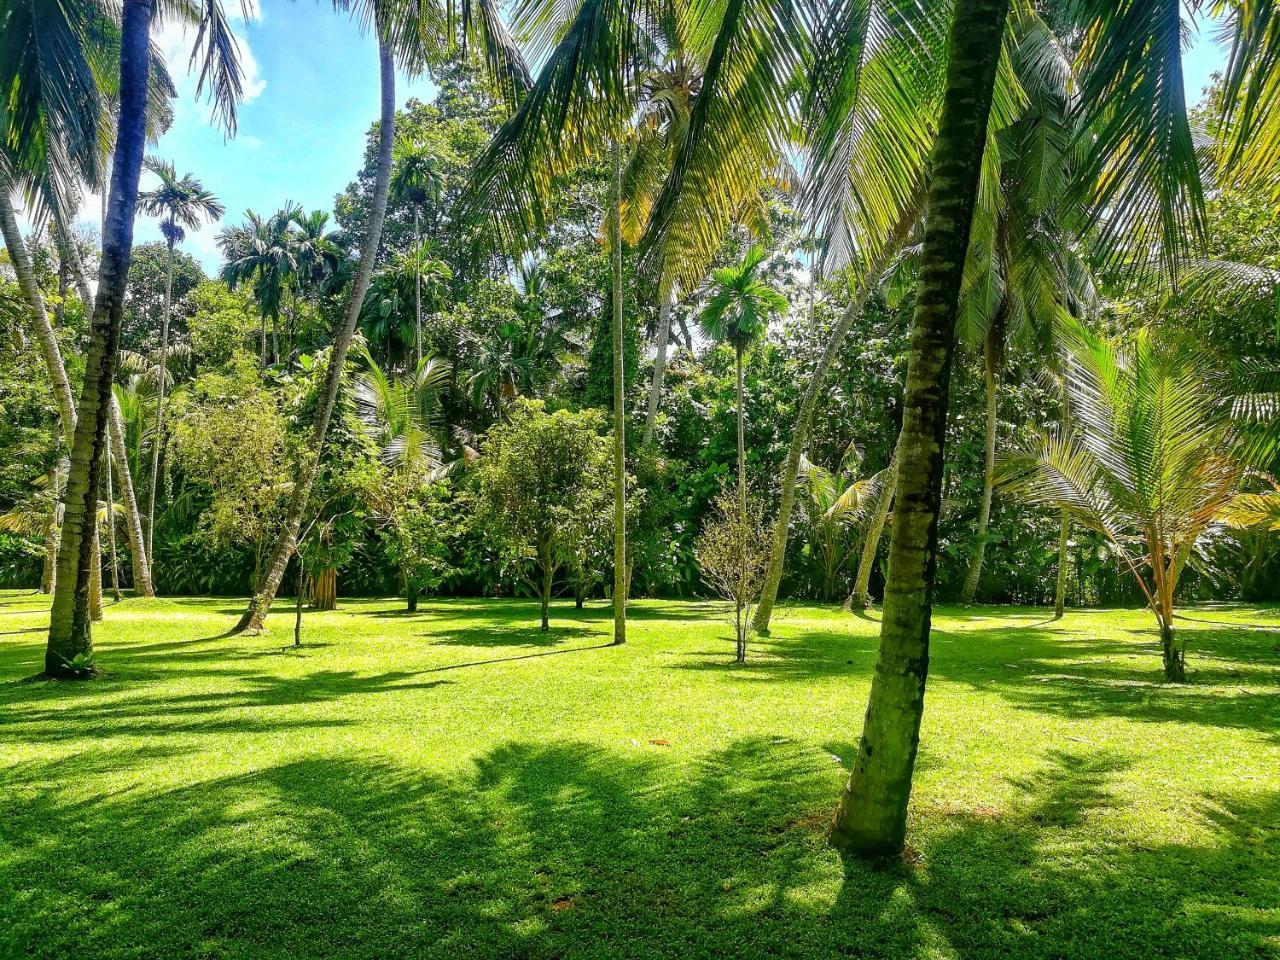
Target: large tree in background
[[181, 203]]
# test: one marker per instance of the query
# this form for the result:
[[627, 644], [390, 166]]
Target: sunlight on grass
[[455, 782]]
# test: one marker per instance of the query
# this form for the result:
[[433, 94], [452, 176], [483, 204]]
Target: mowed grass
[[455, 783]]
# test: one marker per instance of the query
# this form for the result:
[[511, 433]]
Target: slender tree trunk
[[659, 365], [990, 363], [544, 595], [297, 609], [70, 632], [51, 531], [804, 417], [860, 599], [620, 577], [1174, 650], [417, 289], [162, 370], [138, 551], [1060, 591], [111, 527], [872, 817], [256, 613], [742, 436], [95, 575], [262, 341]]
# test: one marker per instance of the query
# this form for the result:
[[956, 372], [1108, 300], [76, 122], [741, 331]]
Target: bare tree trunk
[[162, 371], [417, 289], [1060, 591], [872, 818], [297, 609], [620, 572], [256, 613], [860, 599], [111, 527], [70, 631], [990, 363], [659, 365], [804, 417]]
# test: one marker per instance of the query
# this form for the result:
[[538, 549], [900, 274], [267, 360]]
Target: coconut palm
[[1152, 463], [835, 501], [742, 304], [406, 34], [415, 178], [181, 203], [1142, 175]]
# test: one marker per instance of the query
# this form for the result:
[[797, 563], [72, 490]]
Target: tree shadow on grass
[[511, 635], [571, 850]]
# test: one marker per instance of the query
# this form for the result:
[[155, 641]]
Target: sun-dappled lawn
[[456, 783]]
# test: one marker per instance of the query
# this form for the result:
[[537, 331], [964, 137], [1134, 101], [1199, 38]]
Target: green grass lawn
[[455, 783]]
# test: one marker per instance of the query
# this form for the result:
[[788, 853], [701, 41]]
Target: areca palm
[[181, 203], [1154, 462], [262, 252], [738, 313], [416, 178]]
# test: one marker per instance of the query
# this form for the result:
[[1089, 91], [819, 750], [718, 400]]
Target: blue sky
[[311, 93]]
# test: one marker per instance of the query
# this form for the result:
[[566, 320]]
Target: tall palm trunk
[[111, 526], [742, 434], [20, 260], [860, 599], [256, 613], [162, 371], [138, 551], [620, 574], [70, 630], [872, 818], [51, 531], [417, 288], [659, 364], [990, 365], [804, 418], [1060, 591]]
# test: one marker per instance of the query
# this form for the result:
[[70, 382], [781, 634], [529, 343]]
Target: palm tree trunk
[[70, 631], [620, 578], [256, 613], [1174, 652], [138, 551], [111, 526], [659, 365], [51, 532], [872, 818], [742, 437], [860, 599], [990, 362], [804, 418], [1060, 591], [417, 289], [162, 370]]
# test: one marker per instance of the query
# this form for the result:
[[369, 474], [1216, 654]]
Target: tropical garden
[[546, 549]]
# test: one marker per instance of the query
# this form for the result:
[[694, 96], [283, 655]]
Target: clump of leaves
[[733, 555], [81, 667]]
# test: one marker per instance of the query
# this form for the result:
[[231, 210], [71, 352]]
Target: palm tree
[[1153, 463], [1142, 170], [181, 203], [263, 251], [835, 501], [738, 313], [405, 32], [415, 178]]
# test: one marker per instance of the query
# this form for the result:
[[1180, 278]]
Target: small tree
[[415, 534], [733, 555], [539, 480]]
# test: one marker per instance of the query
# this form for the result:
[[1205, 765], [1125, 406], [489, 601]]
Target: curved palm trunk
[[620, 573], [990, 364], [1060, 591], [70, 631], [860, 599], [804, 418], [162, 369], [872, 817], [138, 551], [659, 365], [256, 613]]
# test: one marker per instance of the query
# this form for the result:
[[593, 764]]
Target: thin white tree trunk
[[659, 365]]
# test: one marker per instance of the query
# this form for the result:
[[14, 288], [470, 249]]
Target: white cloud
[[176, 40], [248, 141]]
